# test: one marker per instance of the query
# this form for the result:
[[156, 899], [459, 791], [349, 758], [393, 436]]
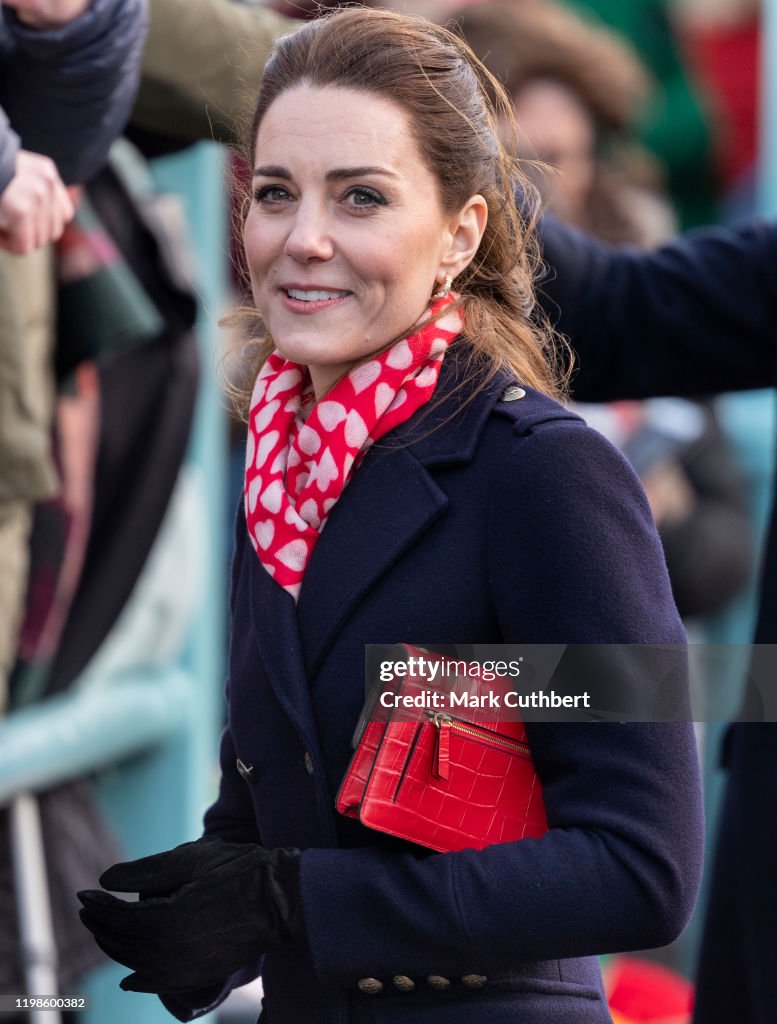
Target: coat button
[[309, 766], [403, 983], [438, 982], [370, 986], [512, 394], [474, 980], [246, 771]]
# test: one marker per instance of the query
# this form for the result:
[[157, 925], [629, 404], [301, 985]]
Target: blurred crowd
[[635, 119]]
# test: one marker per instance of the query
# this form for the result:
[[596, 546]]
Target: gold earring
[[443, 291]]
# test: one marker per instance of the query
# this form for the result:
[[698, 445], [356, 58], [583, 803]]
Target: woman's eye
[[271, 194], [364, 198]]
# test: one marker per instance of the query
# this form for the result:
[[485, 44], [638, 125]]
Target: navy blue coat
[[68, 92], [514, 522]]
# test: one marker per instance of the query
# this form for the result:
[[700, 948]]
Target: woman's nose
[[309, 236]]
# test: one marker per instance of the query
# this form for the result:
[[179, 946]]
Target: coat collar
[[388, 505]]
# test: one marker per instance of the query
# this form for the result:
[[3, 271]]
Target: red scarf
[[297, 468]]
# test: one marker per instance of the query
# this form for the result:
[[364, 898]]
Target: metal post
[[36, 930], [767, 169]]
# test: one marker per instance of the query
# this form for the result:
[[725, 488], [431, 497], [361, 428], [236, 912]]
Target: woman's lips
[[310, 300]]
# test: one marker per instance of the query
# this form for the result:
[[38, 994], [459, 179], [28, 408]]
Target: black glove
[[207, 909]]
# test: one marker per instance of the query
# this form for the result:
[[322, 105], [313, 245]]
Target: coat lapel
[[389, 504], [274, 617]]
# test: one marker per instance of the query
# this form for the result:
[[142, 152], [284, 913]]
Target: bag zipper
[[444, 722]]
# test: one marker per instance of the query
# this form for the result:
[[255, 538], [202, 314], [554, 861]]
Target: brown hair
[[437, 80]]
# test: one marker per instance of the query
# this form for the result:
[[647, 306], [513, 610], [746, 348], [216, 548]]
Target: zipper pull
[[441, 754]]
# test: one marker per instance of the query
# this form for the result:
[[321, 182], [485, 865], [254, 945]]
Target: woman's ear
[[466, 232]]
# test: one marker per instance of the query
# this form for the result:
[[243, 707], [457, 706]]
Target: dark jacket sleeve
[[70, 90], [619, 868], [695, 317]]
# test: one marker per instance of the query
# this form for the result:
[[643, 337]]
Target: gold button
[[474, 980], [403, 983], [513, 393], [438, 982], [370, 986]]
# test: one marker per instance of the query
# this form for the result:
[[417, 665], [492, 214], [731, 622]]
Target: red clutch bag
[[441, 781]]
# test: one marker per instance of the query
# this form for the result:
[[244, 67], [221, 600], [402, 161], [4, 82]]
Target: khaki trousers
[[27, 473]]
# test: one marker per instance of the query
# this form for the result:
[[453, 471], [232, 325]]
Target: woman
[[473, 510]]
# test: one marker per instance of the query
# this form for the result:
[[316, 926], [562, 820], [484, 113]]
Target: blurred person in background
[[676, 123], [69, 73], [577, 93]]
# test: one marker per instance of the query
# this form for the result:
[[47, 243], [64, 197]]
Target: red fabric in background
[[642, 991], [727, 62]]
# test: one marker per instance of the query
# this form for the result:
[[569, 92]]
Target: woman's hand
[[207, 908]]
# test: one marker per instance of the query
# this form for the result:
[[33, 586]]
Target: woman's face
[[555, 127], [346, 237]]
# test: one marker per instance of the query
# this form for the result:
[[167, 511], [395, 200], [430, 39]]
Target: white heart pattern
[[265, 415], [266, 444], [308, 440], [364, 375], [273, 496], [258, 393], [331, 414], [384, 394], [427, 377], [399, 400], [264, 533], [400, 356], [327, 470], [355, 430], [293, 555], [309, 512], [253, 492], [285, 381]]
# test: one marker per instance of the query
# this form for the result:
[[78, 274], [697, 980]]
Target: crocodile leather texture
[[443, 782]]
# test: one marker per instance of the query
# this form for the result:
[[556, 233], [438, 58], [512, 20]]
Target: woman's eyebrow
[[341, 173], [272, 171], [338, 174]]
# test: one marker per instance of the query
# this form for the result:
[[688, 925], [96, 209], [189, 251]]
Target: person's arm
[[72, 85], [697, 316], [202, 66], [619, 868]]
